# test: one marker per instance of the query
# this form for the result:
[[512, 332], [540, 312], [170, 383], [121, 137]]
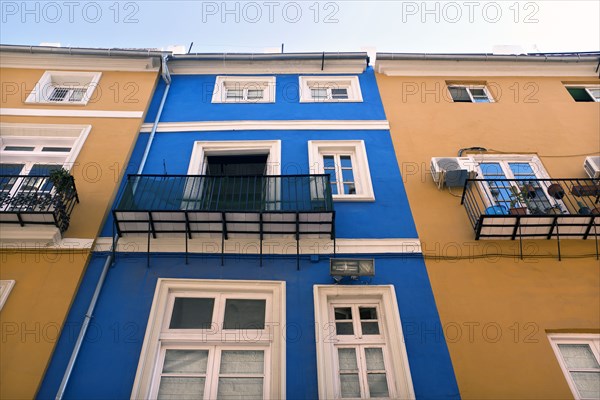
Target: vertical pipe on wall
[[109, 259]]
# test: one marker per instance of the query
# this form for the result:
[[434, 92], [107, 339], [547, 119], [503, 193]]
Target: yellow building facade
[[513, 260], [79, 109]]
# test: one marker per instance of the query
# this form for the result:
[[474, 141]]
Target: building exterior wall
[[125, 302], [496, 310], [47, 275]]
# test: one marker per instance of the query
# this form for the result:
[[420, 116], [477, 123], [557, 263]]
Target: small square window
[[584, 93], [65, 87], [330, 89], [192, 313], [244, 89], [470, 94]]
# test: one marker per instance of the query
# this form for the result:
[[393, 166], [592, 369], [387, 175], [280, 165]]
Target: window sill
[[357, 198], [57, 103]]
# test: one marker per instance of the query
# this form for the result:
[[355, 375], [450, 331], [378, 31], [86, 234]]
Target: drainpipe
[[109, 259]]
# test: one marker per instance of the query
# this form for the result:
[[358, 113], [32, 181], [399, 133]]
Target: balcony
[[226, 206], [533, 208], [33, 200]]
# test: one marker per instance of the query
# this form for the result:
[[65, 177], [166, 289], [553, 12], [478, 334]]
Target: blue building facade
[[262, 247]]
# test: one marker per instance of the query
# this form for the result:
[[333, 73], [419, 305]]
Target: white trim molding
[[274, 246], [214, 336], [5, 288], [388, 337], [300, 125], [76, 62], [315, 66], [46, 112]]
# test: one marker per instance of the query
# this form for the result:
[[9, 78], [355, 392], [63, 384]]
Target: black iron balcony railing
[[33, 199], [533, 208], [192, 204]]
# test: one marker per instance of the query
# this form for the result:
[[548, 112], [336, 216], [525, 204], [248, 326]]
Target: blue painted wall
[[190, 100], [108, 360]]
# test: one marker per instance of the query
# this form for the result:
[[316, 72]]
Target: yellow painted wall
[[496, 311], [47, 281]]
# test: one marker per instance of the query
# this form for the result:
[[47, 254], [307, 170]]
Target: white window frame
[[50, 80], [351, 83], [5, 288], [360, 165], [468, 89], [267, 83], [504, 160], [39, 136], [587, 88], [592, 340], [201, 150], [391, 337], [159, 337]]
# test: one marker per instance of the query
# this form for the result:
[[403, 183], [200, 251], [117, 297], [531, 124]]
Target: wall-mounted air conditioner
[[592, 166], [452, 171]]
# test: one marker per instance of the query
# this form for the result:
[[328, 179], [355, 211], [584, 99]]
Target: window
[[35, 150], [330, 89], [584, 93], [5, 288], [360, 346], [525, 194], [579, 358], [347, 165], [214, 339], [75, 88], [470, 94], [244, 89]]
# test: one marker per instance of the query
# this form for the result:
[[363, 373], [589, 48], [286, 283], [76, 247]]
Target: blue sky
[[258, 26]]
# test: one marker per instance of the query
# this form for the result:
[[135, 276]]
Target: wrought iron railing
[[294, 193], [535, 203], [33, 199]]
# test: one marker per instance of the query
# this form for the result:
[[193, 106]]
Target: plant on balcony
[[62, 181], [521, 200]]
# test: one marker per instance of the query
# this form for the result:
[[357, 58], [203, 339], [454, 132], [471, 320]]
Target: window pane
[[377, 385], [340, 94], [334, 189], [244, 314], [346, 161], [588, 384], [343, 313], [347, 359], [242, 362], [347, 175], [459, 94], [255, 94], [349, 188], [478, 92], [578, 356], [370, 328], [350, 385], [240, 388], [344, 328], [19, 148], [56, 149], [368, 312], [192, 313], [185, 361], [579, 94], [175, 388], [328, 162], [77, 94], [318, 94], [235, 93], [58, 94], [374, 357]]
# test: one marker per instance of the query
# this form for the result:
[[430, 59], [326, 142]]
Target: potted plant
[[556, 190], [519, 201], [62, 181]]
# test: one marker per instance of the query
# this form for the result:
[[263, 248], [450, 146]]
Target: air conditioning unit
[[452, 171], [592, 166]]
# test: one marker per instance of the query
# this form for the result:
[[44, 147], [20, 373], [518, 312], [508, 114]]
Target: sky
[[345, 25]]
